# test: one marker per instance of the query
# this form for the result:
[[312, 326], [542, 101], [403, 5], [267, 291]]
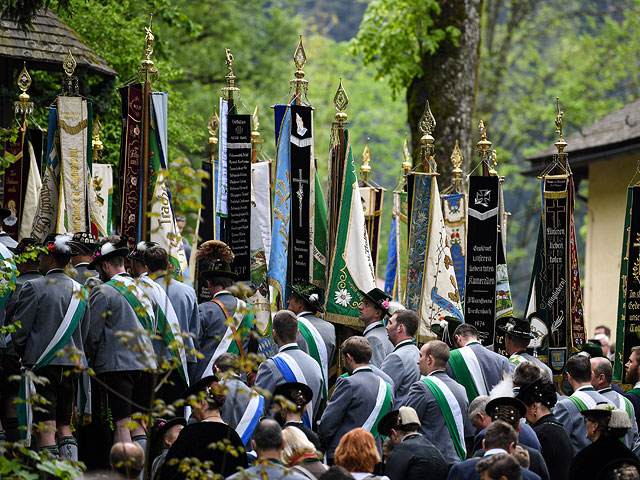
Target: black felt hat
[[311, 294], [199, 386], [138, 251], [61, 244], [593, 349], [493, 407], [218, 257], [86, 241], [518, 327], [447, 324], [295, 392], [25, 245], [4, 213], [108, 250], [379, 298]]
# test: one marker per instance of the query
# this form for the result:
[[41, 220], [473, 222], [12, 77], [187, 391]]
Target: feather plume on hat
[[214, 250], [503, 389]]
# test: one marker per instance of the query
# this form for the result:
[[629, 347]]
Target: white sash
[[5, 253], [320, 345], [228, 336], [589, 402], [474, 369], [382, 393], [453, 404]]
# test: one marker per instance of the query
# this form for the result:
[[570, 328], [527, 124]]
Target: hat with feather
[[217, 257], [138, 251], [61, 244], [110, 247]]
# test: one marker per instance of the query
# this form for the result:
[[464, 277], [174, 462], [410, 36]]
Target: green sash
[[128, 293], [314, 351], [462, 373], [635, 391]]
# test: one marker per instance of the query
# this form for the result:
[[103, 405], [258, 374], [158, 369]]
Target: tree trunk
[[449, 84]]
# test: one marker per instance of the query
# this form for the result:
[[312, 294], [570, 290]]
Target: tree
[[429, 50]]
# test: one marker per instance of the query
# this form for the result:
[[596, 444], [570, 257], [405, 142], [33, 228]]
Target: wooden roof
[[616, 134], [47, 44]]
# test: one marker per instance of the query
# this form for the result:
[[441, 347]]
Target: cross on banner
[[300, 194]]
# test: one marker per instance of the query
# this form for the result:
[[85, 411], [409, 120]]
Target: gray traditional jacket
[[210, 331], [432, 421], [353, 400], [269, 376], [7, 241], [80, 273], [111, 313], [40, 309], [10, 308], [380, 344], [326, 330], [519, 357], [402, 365]]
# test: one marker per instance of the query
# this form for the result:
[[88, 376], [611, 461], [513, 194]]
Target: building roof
[[616, 134], [47, 44]]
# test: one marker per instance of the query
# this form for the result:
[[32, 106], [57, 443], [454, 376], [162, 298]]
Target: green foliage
[[20, 463], [397, 35], [24, 12]]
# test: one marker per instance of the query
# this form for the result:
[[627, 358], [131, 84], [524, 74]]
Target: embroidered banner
[[504, 304], [576, 314], [319, 235], [14, 183], [31, 193], [455, 221], [537, 311], [372, 198], [482, 256]]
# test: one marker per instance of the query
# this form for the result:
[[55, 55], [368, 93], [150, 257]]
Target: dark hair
[[215, 396], [466, 330], [500, 465], [526, 372], [268, 435], [156, 258], [307, 306], [285, 323], [60, 260], [227, 362], [579, 367], [220, 281], [358, 347], [519, 342], [440, 352], [409, 319], [620, 470], [499, 435], [336, 472], [603, 367], [543, 391]]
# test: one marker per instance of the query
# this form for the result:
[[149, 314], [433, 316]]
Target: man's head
[[370, 312], [602, 373], [26, 252], [579, 371], [285, 327], [479, 418], [403, 325], [500, 435], [526, 372], [156, 259], [632, 367], [603, 329], [296, 304], [399, 423], [127, 458], [356, 352], [267, 439], [434, 355], [464, 334], [108, 259], [181, 221], [499, 467], [227, 364], [58, 252]]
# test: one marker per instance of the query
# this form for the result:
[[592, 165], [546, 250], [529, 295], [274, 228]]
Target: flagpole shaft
[[146, 115]]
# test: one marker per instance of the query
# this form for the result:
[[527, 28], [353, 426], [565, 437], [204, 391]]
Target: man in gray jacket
[[49, 307], [373, 309], [426, 398], [402, 363], [359, 400], [290, 365], [517, 337], [119, 344]]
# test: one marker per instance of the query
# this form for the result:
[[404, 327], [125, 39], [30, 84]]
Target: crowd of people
[[177, 389]]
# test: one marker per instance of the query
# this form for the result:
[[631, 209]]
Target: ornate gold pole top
[[365, 169], [560, 144], [427, 125], [484, 148], [494, 163], [407, 164], [457, 160], [69, 81], [96, 143], [230, 77], [341, 100], [212, 125], [147, 69], [23, 106], [300, 59]]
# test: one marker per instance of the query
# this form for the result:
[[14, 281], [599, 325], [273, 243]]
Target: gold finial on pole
[[23, 107], [494, 163], [301, 85], [212, 125], [407, 164], [366, 158], [560, 144], [427, 125], [69, 81], [341, 100], [230, 77], [484, 148], [457, 160], [96, 143]]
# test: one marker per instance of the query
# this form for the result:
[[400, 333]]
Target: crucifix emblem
[[483, 197], [300, 194]]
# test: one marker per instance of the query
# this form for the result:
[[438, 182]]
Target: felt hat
[[25, 245], [311, 294], [138, 251], [446, 327], [86, 241], [162, 426], [397, 419], [295, 392], [617, 418], [505, 405], [199, 386], [593, 349], [61, 244], [107, 250], [518, 327], [218, 257], [379, 298]]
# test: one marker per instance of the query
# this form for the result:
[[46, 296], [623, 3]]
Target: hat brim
[[510, 401], [118, 252], [218, 273], [375, 302], [199, 386], [596, 412], [285, 388], [517, 333], [317, 306], [160, 431]]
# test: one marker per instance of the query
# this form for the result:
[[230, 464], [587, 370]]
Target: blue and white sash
[[292, 373], [250, 417]]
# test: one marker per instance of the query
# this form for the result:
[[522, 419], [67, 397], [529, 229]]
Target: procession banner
[[455, 222], [319, 236], [261, 192], [482, 256], [14, 183], [537, 309], [504, 303], [205, 229], [103, 186], [130, 161], [31, 194], [396, 275], [576, 311], [372, 198]]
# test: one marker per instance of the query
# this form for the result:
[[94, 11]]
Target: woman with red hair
[[357, 452]]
